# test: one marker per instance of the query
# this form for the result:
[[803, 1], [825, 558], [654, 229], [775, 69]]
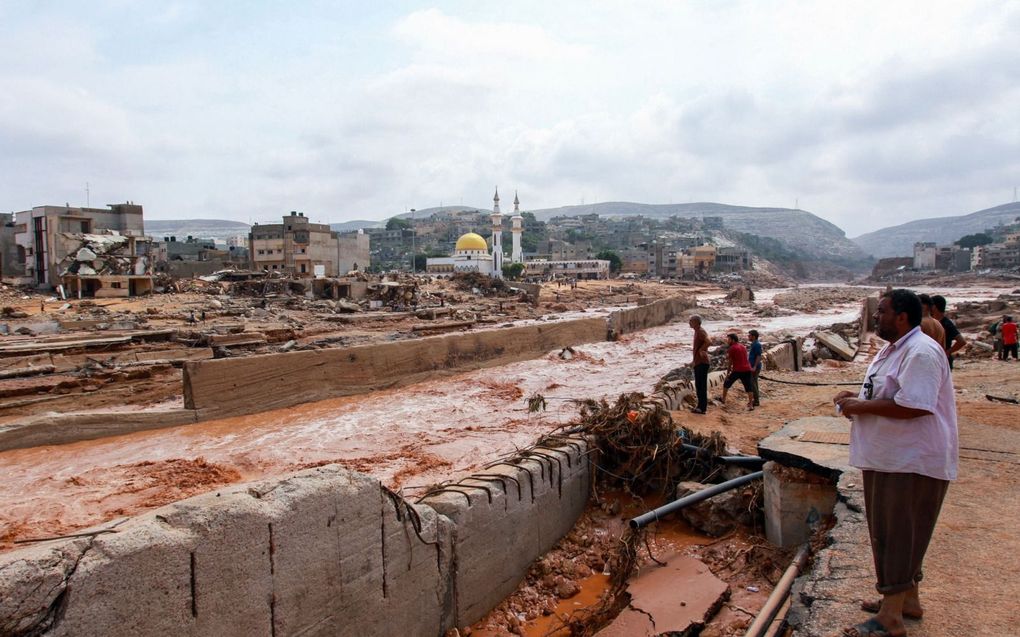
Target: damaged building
[[107, 265], [304, 249], [46, 236]]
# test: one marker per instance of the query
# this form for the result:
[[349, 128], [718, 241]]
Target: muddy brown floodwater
[[408, 437]]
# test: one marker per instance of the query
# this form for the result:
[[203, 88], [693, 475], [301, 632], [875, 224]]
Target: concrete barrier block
[[33, 584], [417, 561], [793, 498], [306, 540], [529, 503], [137, 581], [230, 563], [487, 571]]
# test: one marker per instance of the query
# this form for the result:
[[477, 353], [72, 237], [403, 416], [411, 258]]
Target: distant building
[[355, 252], [45, 236], [573, 269], [924, 255], [297, 246]]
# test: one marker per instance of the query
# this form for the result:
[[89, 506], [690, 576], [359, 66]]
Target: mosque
[[471, 254]]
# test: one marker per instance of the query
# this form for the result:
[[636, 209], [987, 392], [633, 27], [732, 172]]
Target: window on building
[[304, 268], [262, 251]]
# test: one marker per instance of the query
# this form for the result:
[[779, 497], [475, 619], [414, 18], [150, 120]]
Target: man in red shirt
[[740, 369], [1009, 340]]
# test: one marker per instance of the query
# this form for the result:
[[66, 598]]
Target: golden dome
[[471, 241]]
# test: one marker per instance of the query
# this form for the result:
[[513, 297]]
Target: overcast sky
[[866, 113]]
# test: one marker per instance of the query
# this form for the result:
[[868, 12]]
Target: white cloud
[[867, 113]]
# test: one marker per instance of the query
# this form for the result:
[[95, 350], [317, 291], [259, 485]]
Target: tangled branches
[[640, 448]]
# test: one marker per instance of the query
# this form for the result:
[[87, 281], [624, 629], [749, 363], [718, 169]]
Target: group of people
[[940, 327], [743, 364], [1005, 333], [903, 437]]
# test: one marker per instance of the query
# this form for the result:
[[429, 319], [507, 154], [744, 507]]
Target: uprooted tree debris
[[636, 447]]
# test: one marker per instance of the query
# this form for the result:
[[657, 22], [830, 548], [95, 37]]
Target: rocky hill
[[198, 228], [814, 237], [899, 240]]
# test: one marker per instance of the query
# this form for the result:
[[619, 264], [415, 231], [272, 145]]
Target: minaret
[[497, 238], [516, 255]]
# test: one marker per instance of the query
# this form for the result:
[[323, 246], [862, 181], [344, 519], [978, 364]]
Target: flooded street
[[408, 437]]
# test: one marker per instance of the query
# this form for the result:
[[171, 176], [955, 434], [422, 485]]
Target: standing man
[[929, 325], [1009, 340], [755, 359], [739, 369], [904, 439], [954, 340], [699, 362]]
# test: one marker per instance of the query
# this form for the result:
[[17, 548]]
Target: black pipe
[[647, 518], [743, 461]]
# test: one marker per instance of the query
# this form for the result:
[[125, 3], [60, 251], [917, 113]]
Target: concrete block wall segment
[[322, 552], [233, 386], [791, 503], [651, 315], [508, 516]]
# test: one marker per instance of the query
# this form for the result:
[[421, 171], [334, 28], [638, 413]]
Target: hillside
[[357, 224], [809, 234], [897, 241], [198, 228]]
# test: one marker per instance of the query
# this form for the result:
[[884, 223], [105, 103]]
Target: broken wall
[[323, 552]]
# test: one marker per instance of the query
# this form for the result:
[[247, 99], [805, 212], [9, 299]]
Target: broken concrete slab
[[678, 598], [836, 344]]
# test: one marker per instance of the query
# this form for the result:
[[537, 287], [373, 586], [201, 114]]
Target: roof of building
[[471, 241]]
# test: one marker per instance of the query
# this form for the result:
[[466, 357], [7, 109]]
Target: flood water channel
[[408, 437]]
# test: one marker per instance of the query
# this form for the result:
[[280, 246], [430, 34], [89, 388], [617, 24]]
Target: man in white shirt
[[904, 439]]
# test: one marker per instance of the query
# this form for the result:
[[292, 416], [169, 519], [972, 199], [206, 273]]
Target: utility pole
[[414, 233], [87, 204]]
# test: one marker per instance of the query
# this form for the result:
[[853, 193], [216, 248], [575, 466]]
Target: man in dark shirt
[[954, 340], [754, 358], [700, 363]]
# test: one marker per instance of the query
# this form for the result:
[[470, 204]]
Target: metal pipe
[[745, 461], [647, 518], [779, 594]]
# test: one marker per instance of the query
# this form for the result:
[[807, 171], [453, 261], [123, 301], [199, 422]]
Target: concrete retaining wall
[[322, 552], [235, 386], [650, 315], [230, 387]]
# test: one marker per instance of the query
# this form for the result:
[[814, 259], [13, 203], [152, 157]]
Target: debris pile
[[481, 284], [818, 299], [104, 254]]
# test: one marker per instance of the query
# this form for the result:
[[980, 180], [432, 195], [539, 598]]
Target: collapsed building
[[47, 235], [106, 265]]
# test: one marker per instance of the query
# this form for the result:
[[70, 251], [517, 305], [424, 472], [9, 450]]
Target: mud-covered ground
[[413, 437]]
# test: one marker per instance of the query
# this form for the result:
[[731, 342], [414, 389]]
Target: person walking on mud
[[739, 369], [700, 363], [904, 439], [754, 358]]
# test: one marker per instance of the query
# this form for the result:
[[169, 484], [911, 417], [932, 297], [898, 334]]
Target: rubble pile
[[484, 284], [818, 299], [103, 254]]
